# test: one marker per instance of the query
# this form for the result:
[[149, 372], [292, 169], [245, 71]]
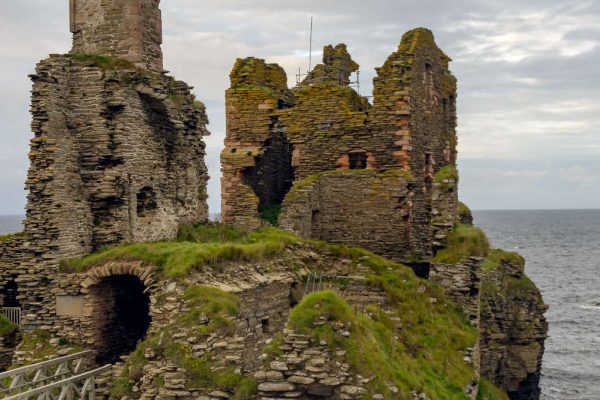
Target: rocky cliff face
[[513, 327]]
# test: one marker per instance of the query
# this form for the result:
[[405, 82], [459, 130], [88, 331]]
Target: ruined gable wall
[[128, 29], [327, 121]]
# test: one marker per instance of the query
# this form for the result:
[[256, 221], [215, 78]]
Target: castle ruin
[[117, 158], [342, 169]]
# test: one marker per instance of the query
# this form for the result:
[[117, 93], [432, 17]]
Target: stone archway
[[118, 308]]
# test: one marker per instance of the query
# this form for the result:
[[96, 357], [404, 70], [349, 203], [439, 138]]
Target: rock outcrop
[[513, 327]]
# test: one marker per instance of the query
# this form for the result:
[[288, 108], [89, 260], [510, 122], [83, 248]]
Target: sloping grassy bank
[[421, 349]]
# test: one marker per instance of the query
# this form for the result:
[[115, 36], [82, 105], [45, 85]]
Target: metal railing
[[78, 387], [25, 379], [13, 314]]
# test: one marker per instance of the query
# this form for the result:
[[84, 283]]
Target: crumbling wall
[[410, 127], [356, 208], [117, 154], [131, 160], [128, 29]]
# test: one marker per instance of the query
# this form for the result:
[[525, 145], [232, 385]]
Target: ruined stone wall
[[410, 127], [117, 156], [444, 206], [128, 29], [356, 208], [414, 102], [255, 93]]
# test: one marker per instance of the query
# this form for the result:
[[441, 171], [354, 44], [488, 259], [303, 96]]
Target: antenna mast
[[310, 48]]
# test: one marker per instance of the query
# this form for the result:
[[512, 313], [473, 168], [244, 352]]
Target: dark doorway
[[272, 176], [122, 316], [10, 291]]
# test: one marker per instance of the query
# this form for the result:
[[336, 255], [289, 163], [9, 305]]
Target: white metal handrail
[[78, 387], [40, 374], [13, 314]]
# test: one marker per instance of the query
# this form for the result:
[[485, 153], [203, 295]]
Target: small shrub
[[6, 326], [270, 213], [446, 173]]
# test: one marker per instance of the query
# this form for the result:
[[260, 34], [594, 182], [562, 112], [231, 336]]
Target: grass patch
[[212, 304], [463, 209], [6, 326], [198, 105], [488, 391], [497, 257], [424, 355], [462, 242], [447, 173], [197, 247], [177, 99], [4, 238], [105, 62], [37, 343], [270, 213]]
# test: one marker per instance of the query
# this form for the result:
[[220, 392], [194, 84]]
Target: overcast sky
[[528, 73]]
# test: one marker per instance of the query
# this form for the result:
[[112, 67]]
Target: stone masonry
[[294, 138], [128, 29]]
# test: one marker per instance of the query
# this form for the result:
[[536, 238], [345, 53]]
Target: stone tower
[[128, 29], [117, 154]]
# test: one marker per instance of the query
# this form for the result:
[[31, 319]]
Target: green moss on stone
[[447, 173], [105, 62], [462, 242]]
